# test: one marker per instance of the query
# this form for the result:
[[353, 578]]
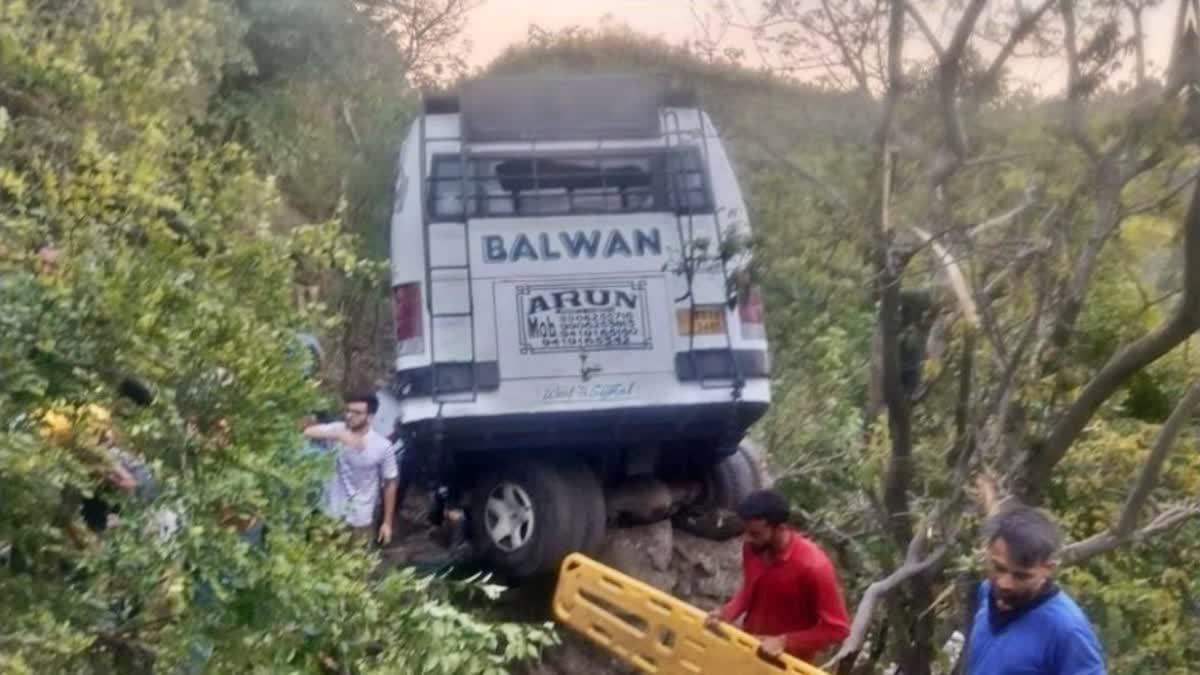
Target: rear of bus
[[559, 281]]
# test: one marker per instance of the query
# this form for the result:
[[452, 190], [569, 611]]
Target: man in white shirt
[[363, 461]]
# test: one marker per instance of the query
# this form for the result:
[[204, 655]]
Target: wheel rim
[[508, 517]]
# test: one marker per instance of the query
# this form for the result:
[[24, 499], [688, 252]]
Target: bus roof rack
[[561, 107]]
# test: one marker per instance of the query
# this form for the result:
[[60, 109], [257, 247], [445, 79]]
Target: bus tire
[[521, 518], [730, 480], [588, 505], [757, 456]]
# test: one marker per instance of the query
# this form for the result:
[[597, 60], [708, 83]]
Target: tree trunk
[[916, 654]]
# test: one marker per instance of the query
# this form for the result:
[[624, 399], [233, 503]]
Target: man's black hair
[[1031, 536], [766, 505], [135, 391], [367, 397]]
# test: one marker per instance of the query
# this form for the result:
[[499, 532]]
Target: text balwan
[[571, 245]]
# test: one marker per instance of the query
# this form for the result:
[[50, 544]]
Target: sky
[[497, 24]]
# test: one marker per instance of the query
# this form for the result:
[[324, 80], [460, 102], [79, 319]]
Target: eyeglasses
[[352, 411]]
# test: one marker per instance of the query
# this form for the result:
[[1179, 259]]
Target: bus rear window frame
[[665, 197]]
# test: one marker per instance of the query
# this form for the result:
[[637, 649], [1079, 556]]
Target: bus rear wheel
[[730, 480], [526, 516]]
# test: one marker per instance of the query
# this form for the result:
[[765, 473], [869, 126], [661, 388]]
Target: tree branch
[[348, 119], [964, 440], [1040, 246], [1122, 365], [1028, 202], [1139, 44], [1162, 201], [1107, 220], [913, 566], [962, 32], [925, 29], [950, 69], [1152, 469], [958, 281], [1081, 552], [1074, 84], [847, 56], [1001, 404], [895, 72], [1023, 29]]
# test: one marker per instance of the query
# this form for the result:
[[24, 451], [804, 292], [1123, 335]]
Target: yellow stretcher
[[654, 631]]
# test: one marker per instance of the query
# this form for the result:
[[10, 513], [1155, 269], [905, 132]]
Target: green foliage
[[322, 106], [820, 316], [1142, 597], [172, 269]]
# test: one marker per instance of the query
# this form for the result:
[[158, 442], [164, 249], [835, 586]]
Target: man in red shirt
[[790, 594]]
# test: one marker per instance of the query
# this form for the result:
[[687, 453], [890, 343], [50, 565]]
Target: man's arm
[[736, 606], [389, 508], [740, 602], [334, 432], [833, 621], [324, 432], [728, 612], [389, 472]]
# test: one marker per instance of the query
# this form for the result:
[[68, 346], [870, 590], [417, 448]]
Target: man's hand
[[713, 620], [385, 533], [121, 479], [772, 645]]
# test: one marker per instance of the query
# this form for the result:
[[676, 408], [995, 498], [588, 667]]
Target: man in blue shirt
[[1025, 624]]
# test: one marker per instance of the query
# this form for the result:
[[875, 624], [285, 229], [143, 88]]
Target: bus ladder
[[673, 128], [432, 269]]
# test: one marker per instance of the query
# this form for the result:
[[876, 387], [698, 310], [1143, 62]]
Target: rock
[[643, 552], [715, 524], [640, 500], [707, 573]]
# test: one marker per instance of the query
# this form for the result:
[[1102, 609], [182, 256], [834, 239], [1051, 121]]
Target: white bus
[[566, 279]]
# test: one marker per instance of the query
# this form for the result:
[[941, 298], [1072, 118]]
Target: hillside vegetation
[[170, 175]]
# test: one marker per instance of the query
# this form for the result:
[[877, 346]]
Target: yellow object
[[57, 425], [653, 631], [705, 320]]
